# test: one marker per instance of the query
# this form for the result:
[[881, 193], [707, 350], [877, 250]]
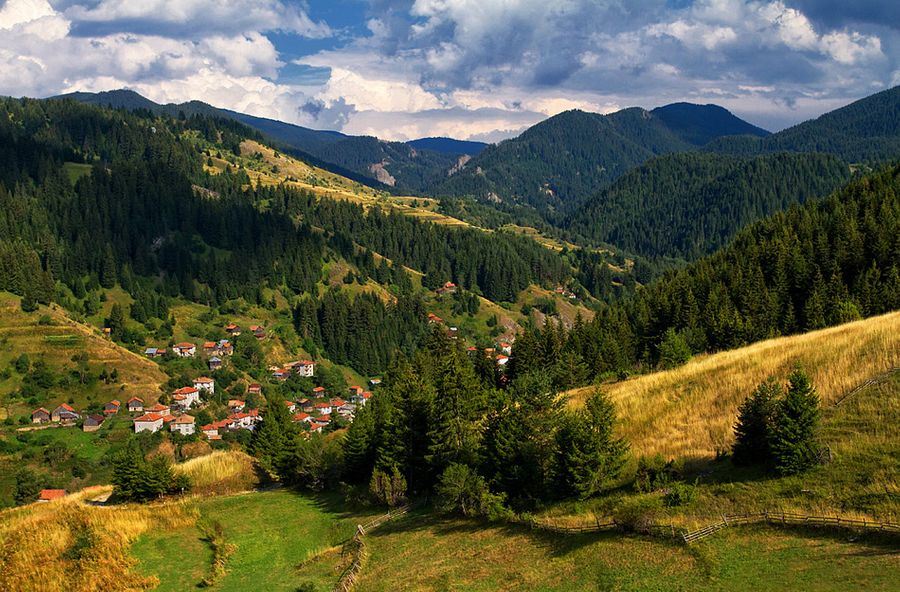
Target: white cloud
[[224, 16]]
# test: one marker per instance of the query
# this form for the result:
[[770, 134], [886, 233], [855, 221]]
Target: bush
[[655, 473], [637, 515], [460, 490], [679, 494]]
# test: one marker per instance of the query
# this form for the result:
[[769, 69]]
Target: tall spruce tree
[[590, 456], [796, 420], [753, 430]]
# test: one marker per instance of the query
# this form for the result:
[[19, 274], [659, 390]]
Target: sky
[[469, 69]]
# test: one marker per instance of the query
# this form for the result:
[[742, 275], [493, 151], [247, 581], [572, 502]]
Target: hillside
[[867, 130], [574, 154], [375, 162], [449, 146], [691, 204], [689, 412], [701, 124]]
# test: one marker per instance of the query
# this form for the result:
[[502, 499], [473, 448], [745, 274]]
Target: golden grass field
[[689, 412], [73, 545]]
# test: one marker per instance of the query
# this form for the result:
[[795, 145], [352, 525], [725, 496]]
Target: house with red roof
[[254, 388], [302, 418], [48, 495], [149, 422], [236, 405], [40, 415], [158, 409], [291, 406], [205, 384], [65, 414], [184, 349], [319, 391], [232, 329], [322, 408], [305, 368], [135, 405], [112, 407]]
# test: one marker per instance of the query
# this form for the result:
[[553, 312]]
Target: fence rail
[[788, 518], [688, 537], [357, 547]]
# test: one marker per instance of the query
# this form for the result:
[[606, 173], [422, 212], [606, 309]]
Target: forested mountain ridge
[[700, 124], [867, 130], [574, 154], [133, 217], [687, 205], [406, 166]]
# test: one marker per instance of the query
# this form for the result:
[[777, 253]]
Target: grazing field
[[422, 552], [272, 533], [689, 412]]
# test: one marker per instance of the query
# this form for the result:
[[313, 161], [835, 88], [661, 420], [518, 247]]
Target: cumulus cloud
[[194, 17], [466, 68]]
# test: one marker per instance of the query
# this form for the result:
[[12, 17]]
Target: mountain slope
[[574, 154], [689, 204], [865, 130], [689, 411], [700, 124], [361, 158], [449, 146]]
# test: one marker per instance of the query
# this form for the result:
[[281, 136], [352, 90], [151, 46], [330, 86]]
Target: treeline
[[690, 204], [363, 332], [812, 266], [436, 426]]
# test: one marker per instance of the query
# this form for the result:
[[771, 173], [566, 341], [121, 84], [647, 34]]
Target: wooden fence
[[356, 546], [876, 380], [688, 537], [789, 519]]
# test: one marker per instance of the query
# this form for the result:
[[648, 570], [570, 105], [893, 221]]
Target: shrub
[[655, 473], [637, 515], [679, 494]]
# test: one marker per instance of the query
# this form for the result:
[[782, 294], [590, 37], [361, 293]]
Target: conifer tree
[[753, 430], [796, 421]]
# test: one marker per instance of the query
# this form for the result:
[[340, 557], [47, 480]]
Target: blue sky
[[472, 69]]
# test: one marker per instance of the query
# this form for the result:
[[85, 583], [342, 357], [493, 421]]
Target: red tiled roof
[[185, 419], [138, 399], [203, 380], [51, 494], [148, 417], [157, 407], [209, 344], [337, 402], [186, 390], [168, 418], [319, 389], [300, 416], [184, 345], [40, 409], [66, 406]]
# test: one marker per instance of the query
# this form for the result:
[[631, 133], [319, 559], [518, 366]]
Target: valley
[[224, 346]]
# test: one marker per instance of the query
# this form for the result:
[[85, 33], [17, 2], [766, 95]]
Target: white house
[[322, 408], [184, 350], [151, 422], [305, 368], [205, 383], [187, 397], [183, 424]]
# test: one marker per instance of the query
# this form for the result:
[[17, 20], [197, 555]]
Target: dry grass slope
[[690, 411], [220, 472], [68, 545]]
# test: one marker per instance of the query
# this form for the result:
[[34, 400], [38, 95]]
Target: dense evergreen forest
[[134, 217], [690, 204], [811, 266]]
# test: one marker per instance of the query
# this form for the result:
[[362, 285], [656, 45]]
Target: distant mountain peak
[[701, 124]]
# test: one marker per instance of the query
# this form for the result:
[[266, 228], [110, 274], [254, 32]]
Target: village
[[315, 411]]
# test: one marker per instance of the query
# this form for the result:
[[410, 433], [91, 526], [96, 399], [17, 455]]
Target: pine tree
[[272, 438], [754, 425], [796, 420], [590, 456], [108, 271]]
